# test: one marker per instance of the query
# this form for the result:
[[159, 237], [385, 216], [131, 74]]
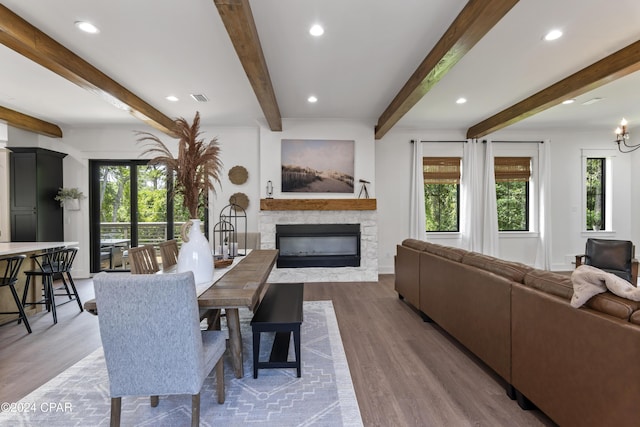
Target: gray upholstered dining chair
[[153, 345]]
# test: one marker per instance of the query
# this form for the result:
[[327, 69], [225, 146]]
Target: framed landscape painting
[[317, 165]]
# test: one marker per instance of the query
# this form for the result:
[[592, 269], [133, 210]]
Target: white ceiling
[[157, 48]]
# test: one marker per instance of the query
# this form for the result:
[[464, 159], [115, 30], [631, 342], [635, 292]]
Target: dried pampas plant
[[197, 166]]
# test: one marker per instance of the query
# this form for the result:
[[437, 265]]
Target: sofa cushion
[[635, 317], [453, 254], [551, 283], [613, 305], [418, 245], [560, 285], [511, 270]]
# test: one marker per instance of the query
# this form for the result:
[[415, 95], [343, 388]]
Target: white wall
[[393, 174], [4, 185], [359, 131], [393, 154], [386, 163], [239, 146], [635, 196], [5, 225]]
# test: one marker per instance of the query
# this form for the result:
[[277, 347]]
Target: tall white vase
[[195, 253]]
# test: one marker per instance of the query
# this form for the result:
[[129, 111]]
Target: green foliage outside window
[[114, 194], [595, 193], [152, 195], [441, 193], [511, 197], [512, 175], [441, 207]]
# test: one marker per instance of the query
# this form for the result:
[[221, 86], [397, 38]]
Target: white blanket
[[589, 281]]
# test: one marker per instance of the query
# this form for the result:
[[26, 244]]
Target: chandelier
[[622, 136]]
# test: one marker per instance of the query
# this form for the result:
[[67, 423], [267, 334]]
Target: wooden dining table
[[239, 287]]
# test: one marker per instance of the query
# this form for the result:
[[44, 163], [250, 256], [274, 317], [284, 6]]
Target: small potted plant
[[595, 219], [70, 197]]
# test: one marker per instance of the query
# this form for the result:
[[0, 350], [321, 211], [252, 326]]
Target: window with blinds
[[512, 169], [512, 176], [441, 170], [441, 193]]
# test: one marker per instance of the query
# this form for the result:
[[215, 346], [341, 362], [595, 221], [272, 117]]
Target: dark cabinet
[[35, 177]]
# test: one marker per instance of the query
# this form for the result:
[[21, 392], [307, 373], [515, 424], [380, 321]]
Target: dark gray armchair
[[612, 256]]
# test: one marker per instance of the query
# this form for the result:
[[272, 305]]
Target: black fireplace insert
[[318, 245]]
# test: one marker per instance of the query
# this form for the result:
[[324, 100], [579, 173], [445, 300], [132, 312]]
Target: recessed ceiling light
[[568, 101], [312, 99], [553, 35], [87, 27], [316, 30], [461, 100], [591, 101], [172, 98]]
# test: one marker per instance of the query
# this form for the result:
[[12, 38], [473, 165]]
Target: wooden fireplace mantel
[[318, 204]]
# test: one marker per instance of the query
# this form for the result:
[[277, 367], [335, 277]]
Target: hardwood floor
[[405, 372]]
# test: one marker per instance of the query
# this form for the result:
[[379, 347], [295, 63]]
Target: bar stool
[[10, 278], [52, 265]]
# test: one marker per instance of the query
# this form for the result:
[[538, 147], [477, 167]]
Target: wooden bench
[[280, 311]]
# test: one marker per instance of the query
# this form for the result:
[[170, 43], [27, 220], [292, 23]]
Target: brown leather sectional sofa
[[581, 367]]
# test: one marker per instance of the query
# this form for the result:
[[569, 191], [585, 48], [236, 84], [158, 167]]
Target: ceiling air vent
[[199, 97]]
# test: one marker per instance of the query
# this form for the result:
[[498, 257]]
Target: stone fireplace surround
[[368, 270]]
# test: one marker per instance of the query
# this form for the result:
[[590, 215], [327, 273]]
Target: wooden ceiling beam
[[23, 121], [472, 23], [614, 66], [29, 41], [238, 20]]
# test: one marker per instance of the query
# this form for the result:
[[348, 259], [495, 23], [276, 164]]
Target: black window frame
[[603, 192], [527, 196], [94, 200], [457, 186]]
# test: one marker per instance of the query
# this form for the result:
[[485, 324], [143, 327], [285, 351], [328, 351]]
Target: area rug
[[323, 396]]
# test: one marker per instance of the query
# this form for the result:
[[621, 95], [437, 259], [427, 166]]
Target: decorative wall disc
[[240, 199], [238, 175]]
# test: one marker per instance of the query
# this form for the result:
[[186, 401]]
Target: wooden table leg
[[213, 318], [235, 340]]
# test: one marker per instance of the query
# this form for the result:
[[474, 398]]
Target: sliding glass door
[[114, 219], [129, 207]]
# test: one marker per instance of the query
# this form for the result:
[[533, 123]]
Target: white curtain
[[417, 218], [543, 254], [471, 196], [490, 236]]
